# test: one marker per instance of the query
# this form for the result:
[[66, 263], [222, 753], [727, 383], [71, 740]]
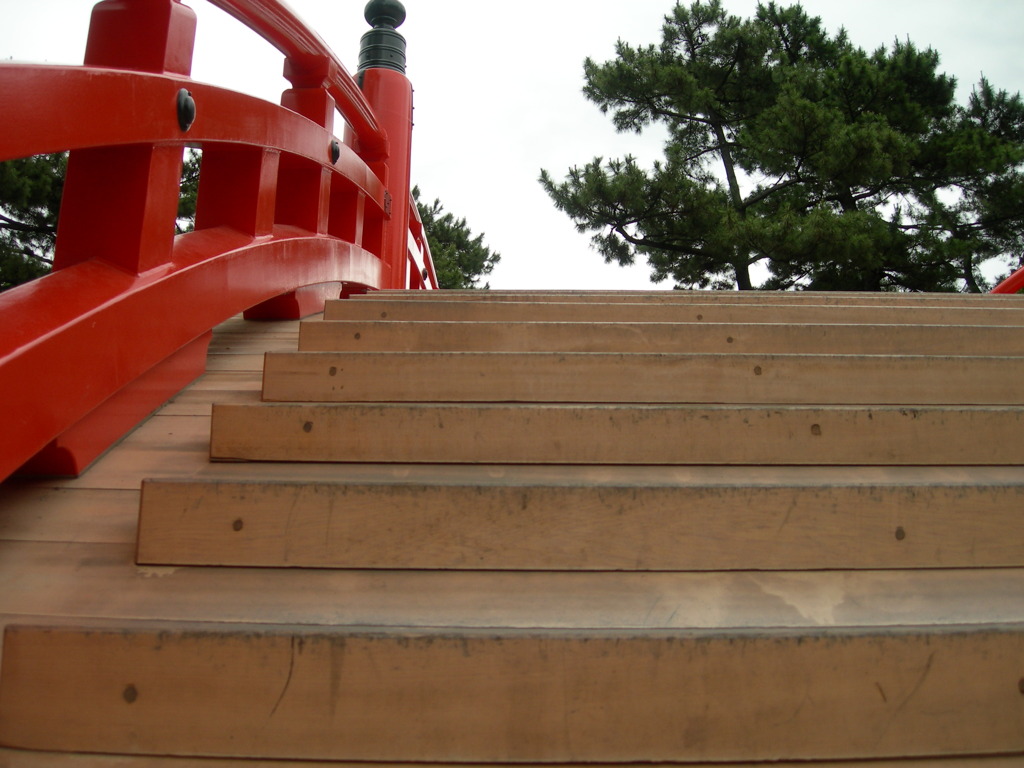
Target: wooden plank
[[37, 512], [235, 362], [15, 758], [566, 434], [647, 527], [508, 696], [849, 298], [162, 446], [549, 377], [994, 313], [765, 338], [84, 582]]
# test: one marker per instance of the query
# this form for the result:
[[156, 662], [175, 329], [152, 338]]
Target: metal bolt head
[[186, 110]]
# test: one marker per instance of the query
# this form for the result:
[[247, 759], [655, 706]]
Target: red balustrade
[[287, 215], [1013, 284]]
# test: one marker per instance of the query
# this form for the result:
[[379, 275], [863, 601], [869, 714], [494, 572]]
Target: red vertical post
[[302, 189], [119, 206], [382, 77], [120, 203]]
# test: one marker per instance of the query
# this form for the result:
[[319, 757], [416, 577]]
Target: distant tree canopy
[[460, 260], [792, 149]]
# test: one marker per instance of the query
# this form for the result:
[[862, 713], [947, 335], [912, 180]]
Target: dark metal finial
[[384, 13], [383, 47]]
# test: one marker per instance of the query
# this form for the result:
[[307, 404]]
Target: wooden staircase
[[576, 528]]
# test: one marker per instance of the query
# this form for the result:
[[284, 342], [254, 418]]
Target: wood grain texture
[[768, 298], [16, 758], [511, 696], [88, 581], [504, 377], [994, 313], [760, 338], [886, 622], [568, 434], [640, 527], [38, 513]]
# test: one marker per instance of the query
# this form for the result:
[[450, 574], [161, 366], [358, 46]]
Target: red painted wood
[[302, 302], [390, 93], [76, 448], [301, 46], [287, 215], [79, 335], [1013, 284]]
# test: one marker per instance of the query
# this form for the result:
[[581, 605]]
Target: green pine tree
[[790, 148], [30, 190], [460, 260]]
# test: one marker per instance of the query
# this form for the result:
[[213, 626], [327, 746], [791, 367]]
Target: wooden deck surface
[[68, 554], [67, 546]]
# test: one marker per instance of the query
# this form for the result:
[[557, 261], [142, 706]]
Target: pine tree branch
[[764, 194], [18, 226]]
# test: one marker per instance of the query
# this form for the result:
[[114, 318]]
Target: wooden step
[[17, 758], [760, 338], [500, 695], [84, 582], [990, 313], [776, 298], [573, 614], [497, 524], [608, 434], [551, 377]]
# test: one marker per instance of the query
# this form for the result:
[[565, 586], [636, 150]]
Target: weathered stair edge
[[644, 434], [513, 696], [664, 337], [15, 758], [594, 378], [581, 527], [981, 313], [774, 298]]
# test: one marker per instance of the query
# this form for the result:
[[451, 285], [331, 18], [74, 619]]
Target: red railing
[[287, 215], [1013, 284]]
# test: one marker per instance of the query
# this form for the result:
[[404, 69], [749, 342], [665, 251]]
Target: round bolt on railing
[[186, 110]]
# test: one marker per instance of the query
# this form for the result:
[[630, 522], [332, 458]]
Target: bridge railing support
[[1013, 284], [287, 215]]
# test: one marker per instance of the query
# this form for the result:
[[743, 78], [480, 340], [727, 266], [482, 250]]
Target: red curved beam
[[279, 26], [1013, 284], [82, 107], [85, 332], [286, 213]]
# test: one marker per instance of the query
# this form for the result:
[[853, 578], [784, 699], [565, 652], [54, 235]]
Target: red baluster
[[120, 203]]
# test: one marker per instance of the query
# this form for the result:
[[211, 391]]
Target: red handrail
[[286, 214], [280, 27], [421, 262], [1012, 284]]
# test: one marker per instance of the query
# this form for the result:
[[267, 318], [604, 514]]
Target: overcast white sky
[[498, 93]]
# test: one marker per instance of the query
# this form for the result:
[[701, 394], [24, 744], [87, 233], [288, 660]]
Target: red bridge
[[288, 215], [464, 527]]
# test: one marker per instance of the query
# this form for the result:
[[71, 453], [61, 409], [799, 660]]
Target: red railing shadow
[[286, 215]]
